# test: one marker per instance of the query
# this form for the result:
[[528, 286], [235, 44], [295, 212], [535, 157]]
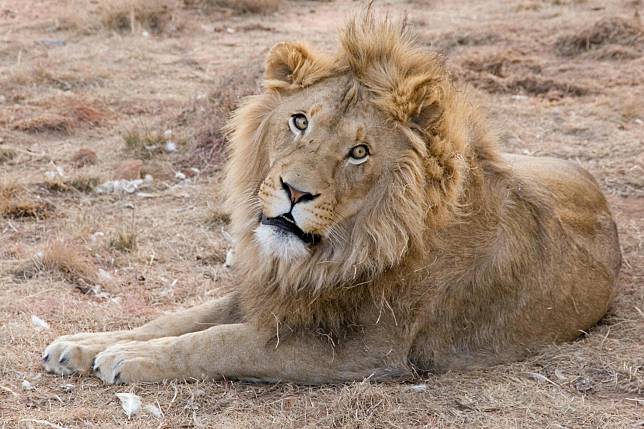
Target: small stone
[[170, 147], [27, 385], [583, 384], [84, 156], [418, 388], [130, 403], [153, 410], [40, 324], [130, 169], [104, 276]]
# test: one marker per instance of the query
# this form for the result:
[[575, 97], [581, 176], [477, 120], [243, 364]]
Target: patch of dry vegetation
[[596, 381], [240, 6], [63, 258], [56, 115], [124, 240], [217, 217], [447, 42], [130, 15], [16, 203], [632, 108], [205, 118], [80, 183], [606, 31], [66, 76], [143, 142], [83, 157], [122, 16], [508, 72], [6, 154]]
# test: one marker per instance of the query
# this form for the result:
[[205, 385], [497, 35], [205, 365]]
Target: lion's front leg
[[240, 351], [74, 353]]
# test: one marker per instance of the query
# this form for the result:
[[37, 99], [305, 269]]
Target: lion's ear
[[415, 100], [294, 65]]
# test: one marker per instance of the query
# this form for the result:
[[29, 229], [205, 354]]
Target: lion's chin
[[277, 243]]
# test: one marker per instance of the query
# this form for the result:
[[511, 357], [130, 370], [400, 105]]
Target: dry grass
[[632, 108], [217, 217], [6, 154], [614, 30], [129, 15], [83, 157], [122, 16], [57, 115], [45, 122], [189, 82], [241, 6], [64, 258], [124, 241], [143, 142], [17, 203], [509, 72], [79, 183], [205, 117]]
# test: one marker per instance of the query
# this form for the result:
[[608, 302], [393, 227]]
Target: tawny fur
[[439, 252]]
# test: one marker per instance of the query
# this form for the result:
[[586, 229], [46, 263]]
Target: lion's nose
[[295, 195]]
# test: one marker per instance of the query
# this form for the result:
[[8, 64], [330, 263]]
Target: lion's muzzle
[[287, 224]]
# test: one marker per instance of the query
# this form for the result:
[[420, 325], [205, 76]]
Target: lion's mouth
[[287, 224]]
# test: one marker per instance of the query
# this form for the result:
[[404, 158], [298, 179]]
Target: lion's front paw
[[136, 361], [74, 353]]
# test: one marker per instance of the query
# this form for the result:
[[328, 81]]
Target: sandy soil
[[123, 78]]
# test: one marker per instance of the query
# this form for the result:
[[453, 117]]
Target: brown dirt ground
[[563, 78]]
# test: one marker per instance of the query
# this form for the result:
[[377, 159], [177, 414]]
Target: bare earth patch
[[85, 86]]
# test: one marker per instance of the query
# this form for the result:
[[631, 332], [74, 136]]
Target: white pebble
[[40, 324], [130, 403]]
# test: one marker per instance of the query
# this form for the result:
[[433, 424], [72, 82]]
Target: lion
[[379, 234]]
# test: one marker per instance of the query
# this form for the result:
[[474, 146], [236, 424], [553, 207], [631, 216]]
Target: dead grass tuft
[[80, 183], [58, 116], [63, 258], [507, 72], [446, 42], [15, 204], [615, 53], [131, 15], [45, 122], [84, 157], [6, 154], [632, 108], [240, 6], [606, 31], [143, 143], [537, 86], [124, 241], [217, 217], [84, 183]]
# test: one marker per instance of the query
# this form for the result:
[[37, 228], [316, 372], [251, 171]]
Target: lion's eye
[[298, 123], [358, 154]]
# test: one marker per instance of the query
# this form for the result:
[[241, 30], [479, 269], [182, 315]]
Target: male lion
[[379, 232]]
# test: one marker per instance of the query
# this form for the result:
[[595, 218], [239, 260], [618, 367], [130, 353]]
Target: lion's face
[[330, 151], [340, 169]]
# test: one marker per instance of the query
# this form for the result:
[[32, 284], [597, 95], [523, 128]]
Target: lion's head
[[343, 165]]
